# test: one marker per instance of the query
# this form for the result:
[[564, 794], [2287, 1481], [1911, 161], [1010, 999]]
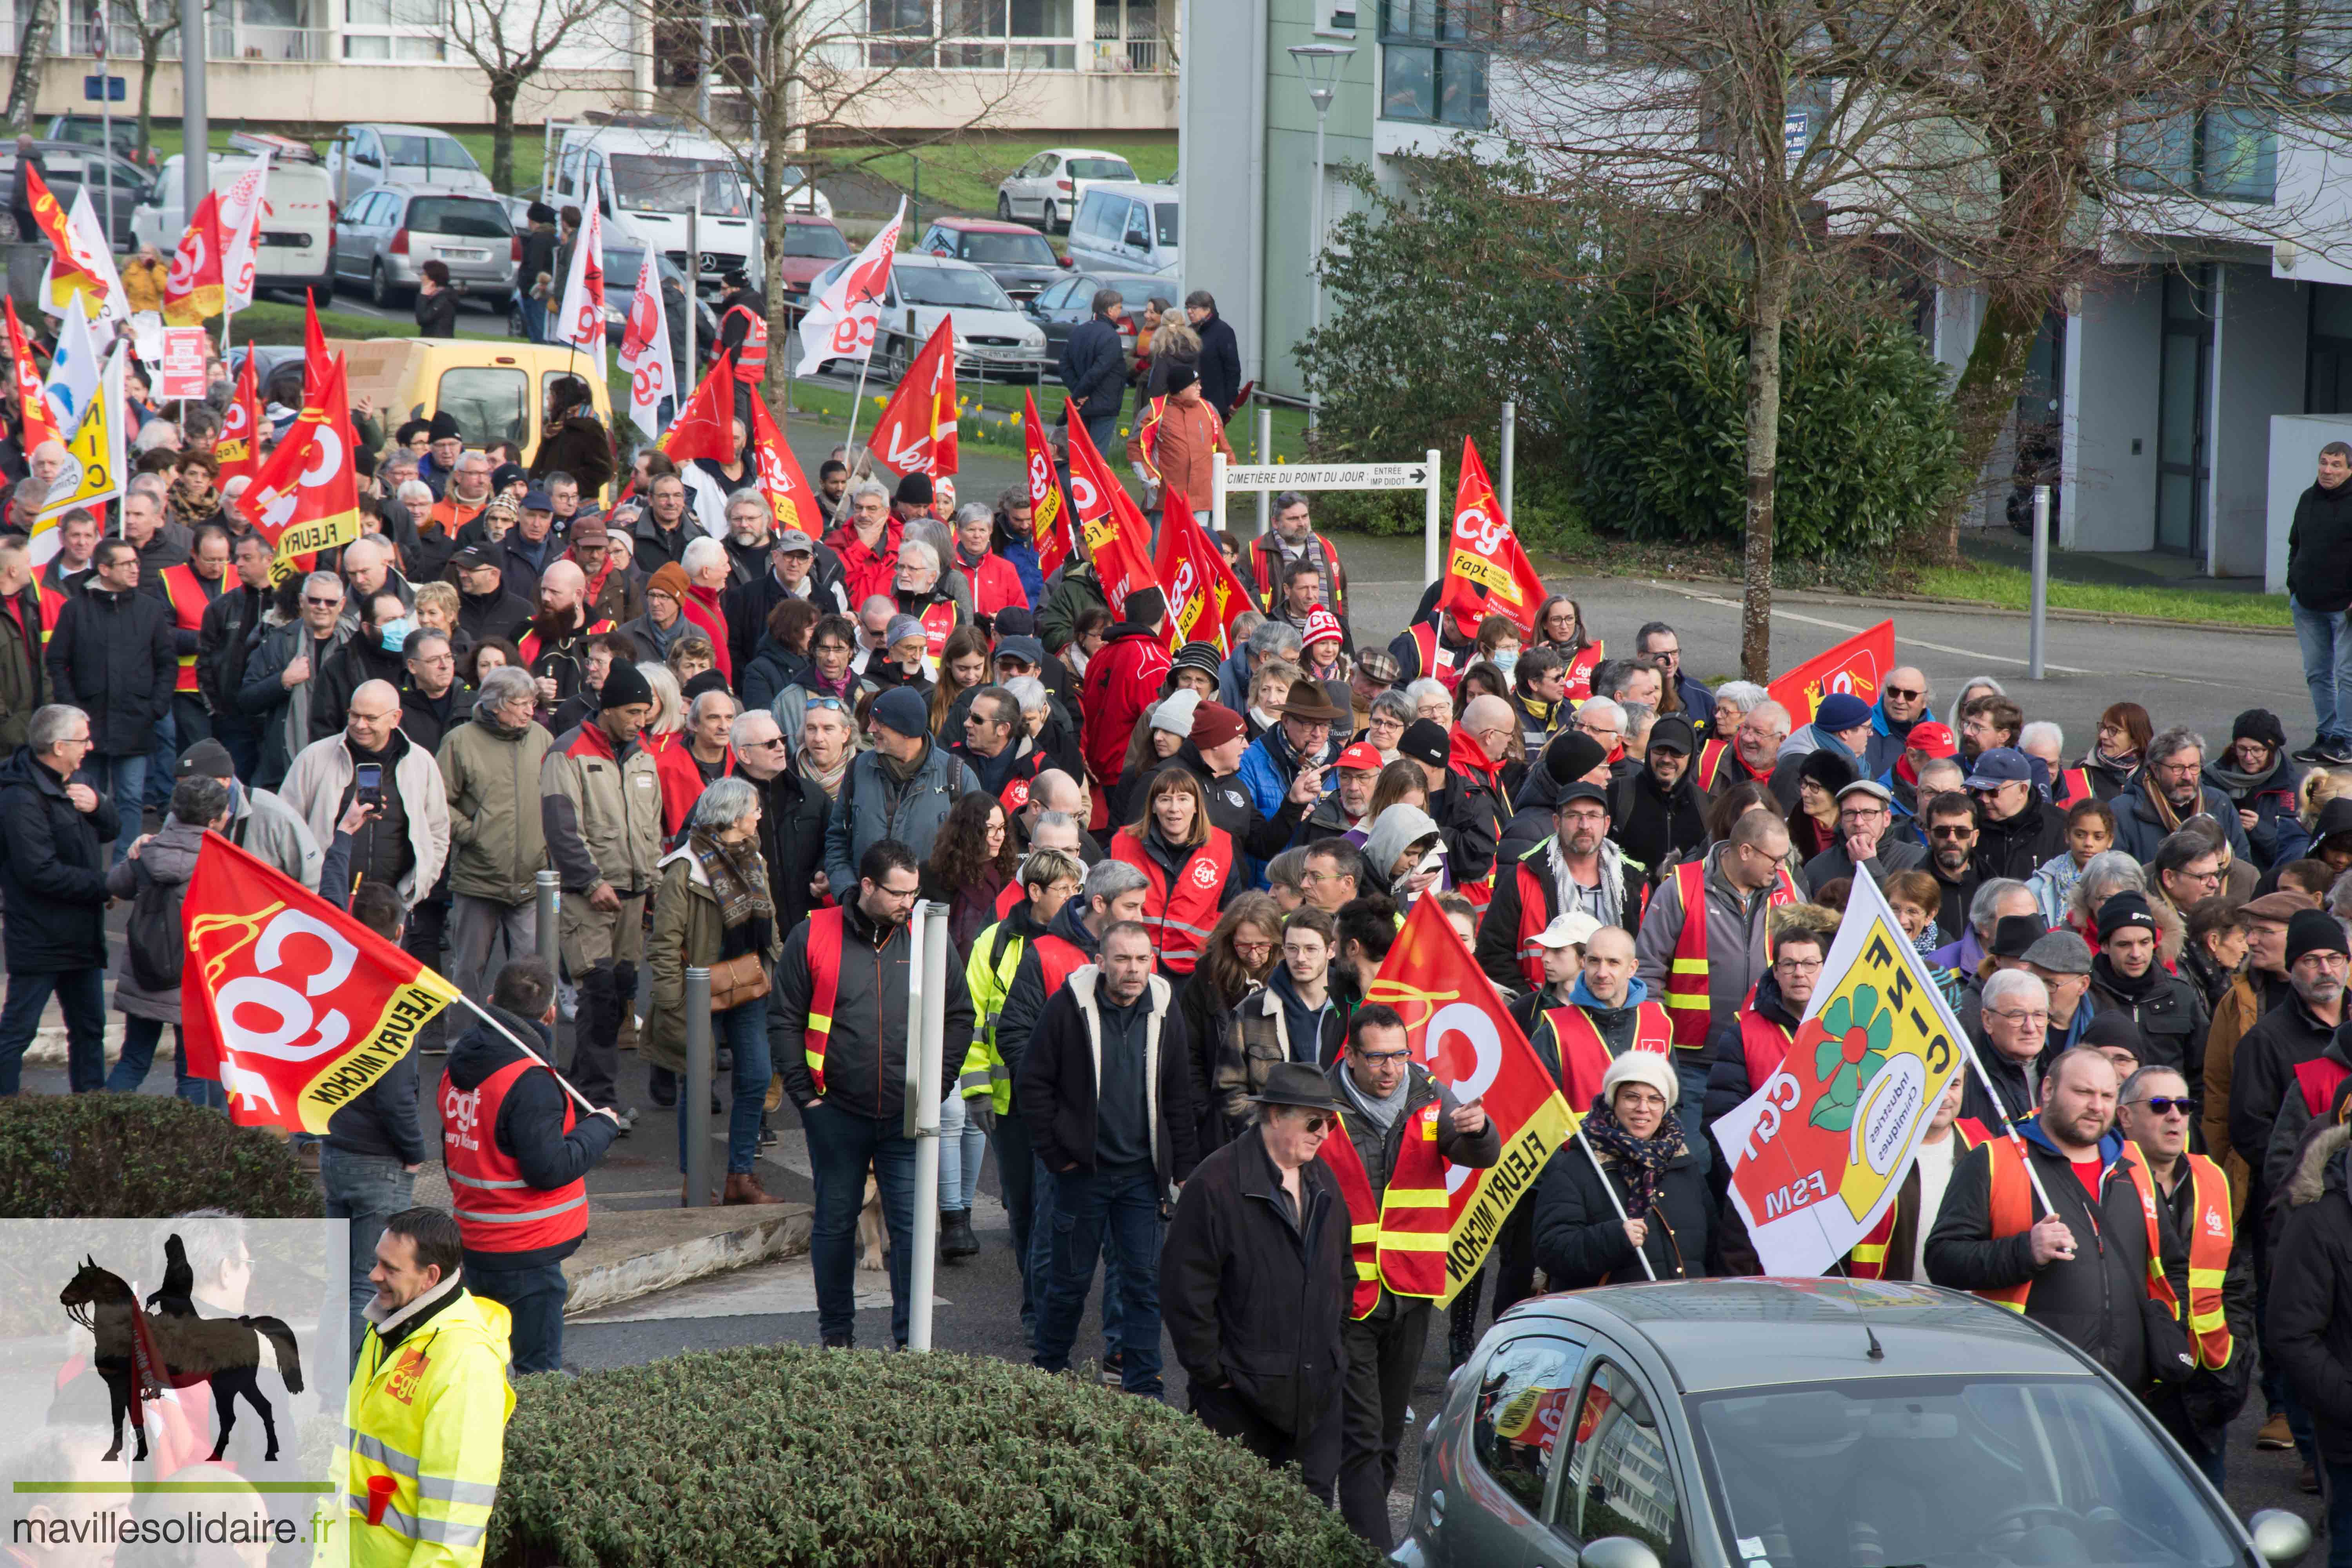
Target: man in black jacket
[[539, 259], [792, 817], [51, 824], [363, 659], [2017, 829], [1106, 1090], [112, 656], [1255, 1282], [852, 1116], [2319, 595], [528, 1128], [1381, 1090], [1657, 809], [2083, 1261], [1212, 754], [485, 608], [2310, 1310], [1094, 368], [230, 631], [2126, 978], [2292, 1033], [1221, 357]]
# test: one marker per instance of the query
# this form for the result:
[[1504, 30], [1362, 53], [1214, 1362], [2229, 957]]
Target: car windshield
[[1951, 1472], [460, 216], [952, 287], [644, 183], [821, 241], [1101, 169], [1027, 249], [429, 152]]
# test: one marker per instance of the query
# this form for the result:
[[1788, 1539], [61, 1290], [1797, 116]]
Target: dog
[[872, 1237]]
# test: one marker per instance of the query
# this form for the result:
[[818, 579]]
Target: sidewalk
[[2104, 568]]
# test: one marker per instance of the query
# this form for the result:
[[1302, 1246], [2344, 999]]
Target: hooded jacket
[[168, 859], [2168, 1009], [2310, 1315], [1651, 820], [530, 1128], [1468, 807], [51, 861]]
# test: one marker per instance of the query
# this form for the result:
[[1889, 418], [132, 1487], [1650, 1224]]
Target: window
[[489, 404], [1427, 73], [1336, 17], [1620, 1480], [953, 287], [459, 217], [436, 155], [971, 34], [816, 240], [1058, 297], [2323, 47], [394, 30], [1523, 1397], [1027, 248], [1138, 236], [1163, 223], [1101, 169], [2227, 152]]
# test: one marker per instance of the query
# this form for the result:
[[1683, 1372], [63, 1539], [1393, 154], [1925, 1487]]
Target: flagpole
[[2008, 1124], [1614, 1202], [513, 1038]]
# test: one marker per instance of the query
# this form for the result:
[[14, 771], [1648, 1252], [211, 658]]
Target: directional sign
[[1328, 476]]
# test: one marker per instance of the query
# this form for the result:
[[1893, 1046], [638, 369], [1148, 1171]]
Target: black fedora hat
[[1296, 1083]]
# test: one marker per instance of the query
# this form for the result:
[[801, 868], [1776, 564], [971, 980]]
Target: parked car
[[622, 264], [387, 236], [1021, 260], [362, 157], [297, 223], [653, 183], [1734, 1423], [89, 131], [1127, 228], [992, 336], [1050, 186], [74, 166], [811, 245], [1059, 309]]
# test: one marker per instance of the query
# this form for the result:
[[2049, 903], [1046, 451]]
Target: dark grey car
[[70, 167], [383, 240], [1801, 1423], [1061, 308]]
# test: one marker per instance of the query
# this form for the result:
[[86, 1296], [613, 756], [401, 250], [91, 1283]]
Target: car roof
[[984, 225], [812, 220], [944, 263], [436, 188], [401, 128], [1141, 189], [1718, 1334], [1086, 153]]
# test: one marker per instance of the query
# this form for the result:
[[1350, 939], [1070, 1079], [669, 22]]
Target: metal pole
[[689, 374], [924, 1102], [1315, 247], [694, 1092], [1614, 1202], [195, 159], [2040, 582], [1510, 447], [106, 128], [1429, 547], [549, 887], [1264, 455]]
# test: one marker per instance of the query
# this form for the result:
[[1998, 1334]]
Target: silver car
[[1780, 1423], [362, 157], [385, 238]]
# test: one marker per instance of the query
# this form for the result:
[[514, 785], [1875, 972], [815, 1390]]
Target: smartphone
[[369, 779]]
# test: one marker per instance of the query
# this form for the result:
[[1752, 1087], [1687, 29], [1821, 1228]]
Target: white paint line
[[1781, 614]]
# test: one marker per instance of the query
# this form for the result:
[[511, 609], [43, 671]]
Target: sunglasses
[[1316, 1124], [834, 703], [1950, 832], [2165, 1105], [1906, 696]]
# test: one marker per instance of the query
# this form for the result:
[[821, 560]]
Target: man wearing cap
[[1465, 789], [260, 822], [1926, 741], [2017, 830], [1124, 677], [1301, 746], [1213, 751], [1577, 868], [2256, 775], [1570, 757], [2012, 938], [2126, 978], [899, 790], [1346, 809], [1561, 946], [1656, 807], [2169, 790], [601, 813], [485, 608], [1866, 839], [1841, 727], [532, 547], [2261, 986], [1255, 1281], [612, 593], [2061, 959]]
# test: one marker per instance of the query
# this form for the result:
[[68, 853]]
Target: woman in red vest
[[1188, 862], [1559, 627]]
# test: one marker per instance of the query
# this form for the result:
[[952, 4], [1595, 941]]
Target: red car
[[812, 244], [1021, 260]]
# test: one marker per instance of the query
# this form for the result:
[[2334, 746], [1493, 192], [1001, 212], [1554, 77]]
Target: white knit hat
[[1174, 714], [1640, 1067]]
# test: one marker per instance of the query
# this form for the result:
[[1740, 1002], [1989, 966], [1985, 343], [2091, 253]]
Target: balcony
[[225, 40]]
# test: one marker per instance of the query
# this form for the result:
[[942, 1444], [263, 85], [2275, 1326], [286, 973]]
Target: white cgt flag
[[840, 324], [581, 322], [645, 350], [241, 206]]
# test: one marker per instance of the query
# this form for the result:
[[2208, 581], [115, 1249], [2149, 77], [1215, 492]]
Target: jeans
[[1041, 1258], [1088, 1205], [81, 996], [2326, 640], [535, 1297], [962, 1146], [124, 780], [140, 1038], [2339, 1479], [744, 1029], [162, 763], [534, 315], [236, 732], [367, 1190], [1104, 432], [841, 1145]]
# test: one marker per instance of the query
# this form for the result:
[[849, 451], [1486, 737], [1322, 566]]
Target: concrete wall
[[2257, 365], [2294, 443], [1222, 139], [2113, 344]]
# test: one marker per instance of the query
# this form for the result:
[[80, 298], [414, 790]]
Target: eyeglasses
[[1381, 1058], [771, 740], [1314, 1125], [1963, 830], [1905, 694], [1799, 966], [2170, 1105], [2023, 1018], [322, 604], [1260, 948]]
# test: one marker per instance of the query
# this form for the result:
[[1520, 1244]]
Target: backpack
[[154, 939]]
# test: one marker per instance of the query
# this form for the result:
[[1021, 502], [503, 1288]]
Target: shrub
[[1867, 445], [798, 1458], [135, 1156]]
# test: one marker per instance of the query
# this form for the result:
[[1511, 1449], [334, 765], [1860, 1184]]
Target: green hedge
[[131, 1156], [787, 1457]]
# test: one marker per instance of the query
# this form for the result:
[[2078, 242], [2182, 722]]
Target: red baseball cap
[[1363, 754], [1936, 740]]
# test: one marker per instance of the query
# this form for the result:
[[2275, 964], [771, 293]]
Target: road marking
[[1779, 613]]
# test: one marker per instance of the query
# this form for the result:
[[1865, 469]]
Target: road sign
[[1796, 134], [102, 89], [1328, 476]]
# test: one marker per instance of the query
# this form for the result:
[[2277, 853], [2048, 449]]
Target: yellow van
[[494, 389]]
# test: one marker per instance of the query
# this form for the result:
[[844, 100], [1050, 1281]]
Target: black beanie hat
[[624, 684], [1572, 755], [2126, 909], [1827, 769], [2313, 931]]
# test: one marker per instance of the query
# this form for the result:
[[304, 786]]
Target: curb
[[778, 1234], [1901, 601], [48, 1046]]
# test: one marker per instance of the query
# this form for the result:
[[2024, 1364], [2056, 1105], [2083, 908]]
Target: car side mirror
[[1617, 1551], [2279, 1536]]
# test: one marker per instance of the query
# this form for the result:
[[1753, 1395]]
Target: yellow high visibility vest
[[984, 1071], [431, 1414]]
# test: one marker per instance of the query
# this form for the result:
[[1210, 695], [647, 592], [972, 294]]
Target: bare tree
[[156, 22], [32, 52], [511, 41]]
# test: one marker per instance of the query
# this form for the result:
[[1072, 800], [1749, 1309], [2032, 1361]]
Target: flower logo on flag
[[1858, 1035]]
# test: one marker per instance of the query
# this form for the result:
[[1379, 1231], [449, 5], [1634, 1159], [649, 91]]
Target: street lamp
[[1320, 66]]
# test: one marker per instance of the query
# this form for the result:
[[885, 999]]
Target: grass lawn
[[963, 175], [270, 322], [2012, 589]]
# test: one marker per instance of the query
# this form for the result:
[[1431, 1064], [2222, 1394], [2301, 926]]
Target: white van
[[1126, 227], [646, 180], [297, 226]]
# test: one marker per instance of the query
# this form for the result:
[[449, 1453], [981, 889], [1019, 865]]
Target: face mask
[[1505, 662], [394, 635]]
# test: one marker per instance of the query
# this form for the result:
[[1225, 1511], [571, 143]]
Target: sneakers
[[2314, 752], [1113, 1368], [837, 1342], [2274, 1435]]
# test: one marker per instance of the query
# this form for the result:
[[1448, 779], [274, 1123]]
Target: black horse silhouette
[[226, 1351]]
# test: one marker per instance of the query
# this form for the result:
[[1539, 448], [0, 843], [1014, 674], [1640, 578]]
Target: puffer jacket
[[50, 860], [497, 838], [2311, 1281], [872, 806], [112, 656], [686, 932], [168, 859]]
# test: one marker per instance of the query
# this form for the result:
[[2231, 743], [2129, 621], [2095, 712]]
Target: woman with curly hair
[[973, 861], [1243, 950]]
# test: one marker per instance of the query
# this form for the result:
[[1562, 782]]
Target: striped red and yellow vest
[[2013, 1215], [824, 988], [1585, 1055], [185, 592], [1686, 995]]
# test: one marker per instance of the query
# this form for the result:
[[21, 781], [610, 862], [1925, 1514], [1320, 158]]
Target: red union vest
[[1436, 659], [1180, 912], [496, 1209], [530, 649], [185, 592], [1710, 763], [1581, 666], [1763, 1042], [1686, 995], [2073, 784], [1585, 1055], [2318, 1078], [2013, 1215], [1363, 1219], [1058, 958], [752, 353], [1265, 562], [825, 985], [1868, 1258], [2209, 1240]]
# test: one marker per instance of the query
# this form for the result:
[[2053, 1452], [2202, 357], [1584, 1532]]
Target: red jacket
[[702, 610], [863, 572], [1122, 680], [996, 585], [681, 782]]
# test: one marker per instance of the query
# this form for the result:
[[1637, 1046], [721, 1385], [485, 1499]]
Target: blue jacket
[[1267, 768], [870, 808], [1094, 368], [2138, 831], [1023, 554], [2278, 835]]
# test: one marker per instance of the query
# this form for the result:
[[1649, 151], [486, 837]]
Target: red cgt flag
[[916, 432], [306, 497], [193, 290], [1486, 573], [780, 479], [314, 349], [1858, 666], [38, 426], [705, 426], [1118, 539], [239, 453], [1204, 597], [1438, 1220], [1049, 514], [293, 1005]]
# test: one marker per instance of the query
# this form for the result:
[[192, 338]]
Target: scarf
[[2166, 817], [970, 563], [845, 688], [2238, 786], [2133, 989], [827, 779], [739, 877], [486, 714], [1644, 1160], [1610, 889], [1383, 1109], [898, 772]]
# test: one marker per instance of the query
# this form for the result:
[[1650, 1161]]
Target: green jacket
[[21, 679], [498, 842], [686, 932], [1073, 593]]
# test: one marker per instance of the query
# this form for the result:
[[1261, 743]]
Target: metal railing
[[224, 40]]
